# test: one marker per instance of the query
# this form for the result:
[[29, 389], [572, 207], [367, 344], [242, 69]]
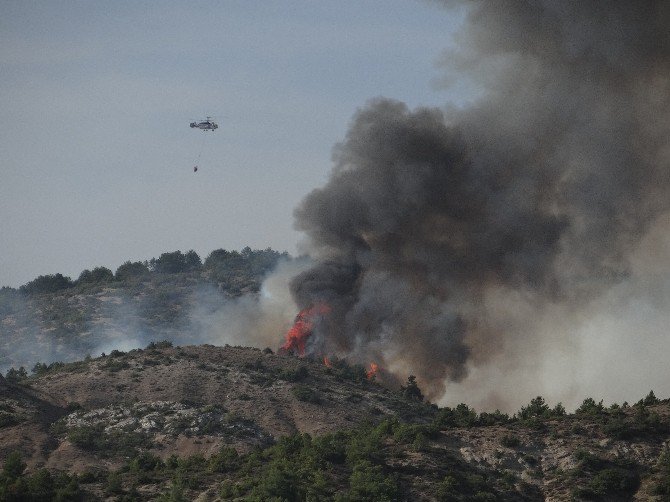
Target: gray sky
[[96, 153]]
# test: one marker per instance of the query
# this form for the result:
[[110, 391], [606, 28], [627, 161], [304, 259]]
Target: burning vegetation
[[301, 340], [300, 334]]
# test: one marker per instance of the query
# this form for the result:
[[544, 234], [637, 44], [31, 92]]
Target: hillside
[[54, 318], [224, 423]]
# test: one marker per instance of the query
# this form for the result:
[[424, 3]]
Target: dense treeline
[[220, 265]]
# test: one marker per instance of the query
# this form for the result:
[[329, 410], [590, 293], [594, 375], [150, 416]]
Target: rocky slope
[[183, 400], [223, 422]]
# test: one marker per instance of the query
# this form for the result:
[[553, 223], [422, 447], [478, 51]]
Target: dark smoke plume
[[539, 190]]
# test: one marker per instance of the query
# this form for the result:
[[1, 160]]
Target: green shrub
[[47, 284], [612, 481], [176, 492], [39, 486], [529, 459], [87, 438], [192, 463], [448, 489], [279, 482], [618, 428], [536, 423], [413, 433], [226, 489], [14, 466], [510, 441], [343, 371], [165, 344], [225, 460], [42, 369], [115, 365], [495, 418], [461, 416], [578, 429], [642, 423], [558, 410], [73, 406], [16, 376], [365, 443], [297, 375], [411, 390], [95, 276], [590, 407], [588, 460], [537, 408], [330, 448], [650, 399], [662, 485], [368, 482], [131, 270], [145, 462], [94, 438], [306, 394], [114, 485], [175, 262]]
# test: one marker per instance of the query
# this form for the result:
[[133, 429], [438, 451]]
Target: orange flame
[[327, 362], [370, 374], [297, 336]]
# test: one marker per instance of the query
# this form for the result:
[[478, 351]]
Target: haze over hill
[[175, 297]]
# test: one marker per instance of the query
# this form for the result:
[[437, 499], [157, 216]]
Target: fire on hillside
[[300, 333], [299, 338]]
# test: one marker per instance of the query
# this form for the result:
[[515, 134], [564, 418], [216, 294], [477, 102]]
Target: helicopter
[[205, 125]]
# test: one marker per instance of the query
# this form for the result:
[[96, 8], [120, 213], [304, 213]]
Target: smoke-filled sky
[[96, 154], [483, 188], [453, 243]]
